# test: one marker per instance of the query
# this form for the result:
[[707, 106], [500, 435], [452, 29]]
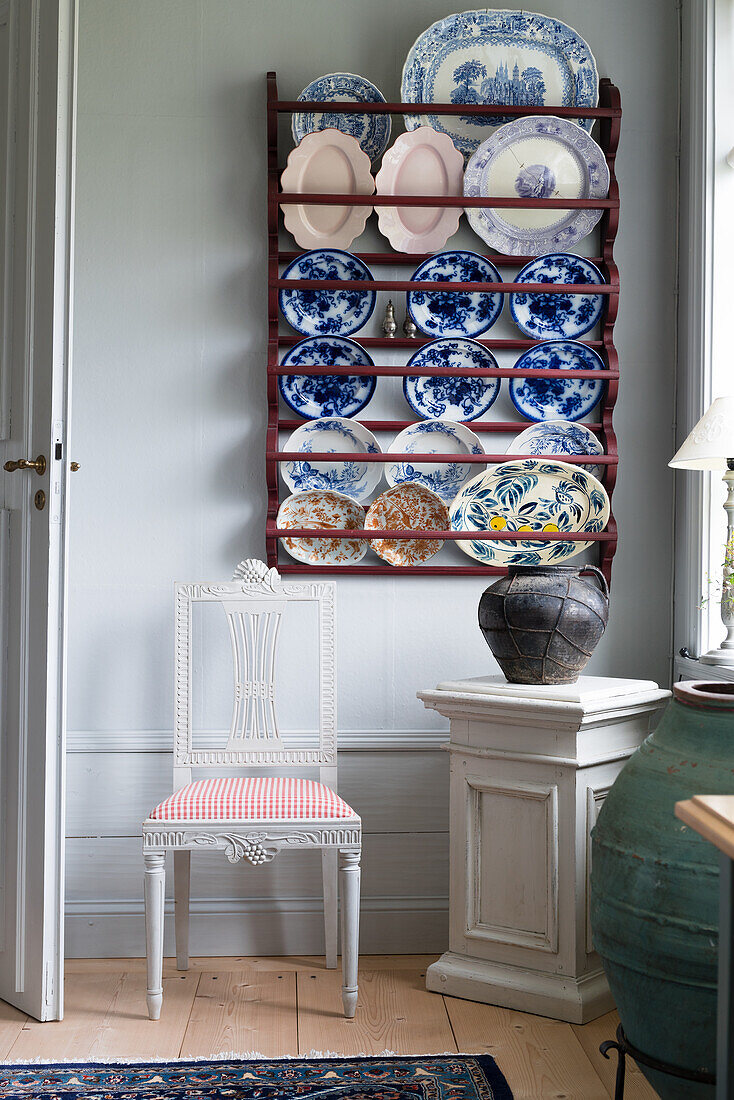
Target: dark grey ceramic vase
[[543, 622]]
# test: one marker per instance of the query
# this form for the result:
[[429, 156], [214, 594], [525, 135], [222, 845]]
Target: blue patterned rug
[[448, 1077]]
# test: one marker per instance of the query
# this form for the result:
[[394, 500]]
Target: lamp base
[[719, 656]]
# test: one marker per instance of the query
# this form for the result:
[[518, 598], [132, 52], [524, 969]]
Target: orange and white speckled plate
[[323, 508], [409, 506]]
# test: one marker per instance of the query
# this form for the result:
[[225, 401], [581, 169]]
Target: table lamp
[[710, 446]]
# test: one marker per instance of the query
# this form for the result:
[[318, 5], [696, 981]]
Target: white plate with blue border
[[557, 398], [327, 312], [557, 316], [460, 398], [455, 313], [434, 437], [372, 131], [354, 479], [315, 395], [496, 57]]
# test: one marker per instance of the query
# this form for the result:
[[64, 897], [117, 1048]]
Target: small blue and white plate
[[459, 313], [371, 131], [529, 495], [559, 437], [356, 479], [434, 437], [315, 395], [557, 398], [327, 312], [553, 316], [536, 158], [451, 398]]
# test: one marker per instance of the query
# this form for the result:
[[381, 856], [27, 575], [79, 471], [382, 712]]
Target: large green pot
[[654, 887]]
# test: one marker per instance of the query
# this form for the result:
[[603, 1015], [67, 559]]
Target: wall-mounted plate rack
[[609, 114]]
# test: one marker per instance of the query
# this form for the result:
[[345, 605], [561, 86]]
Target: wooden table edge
[[709, 819]]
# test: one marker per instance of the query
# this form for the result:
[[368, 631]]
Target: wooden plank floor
[[292, 1005]]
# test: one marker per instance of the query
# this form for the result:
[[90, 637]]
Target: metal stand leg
[[610, 1044]]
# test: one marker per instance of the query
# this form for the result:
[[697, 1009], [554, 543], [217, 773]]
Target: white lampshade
[[711, 442]]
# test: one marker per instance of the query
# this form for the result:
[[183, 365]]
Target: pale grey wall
[[169, 405]]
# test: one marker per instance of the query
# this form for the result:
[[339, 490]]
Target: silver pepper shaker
[[389, 326], [409, 328]]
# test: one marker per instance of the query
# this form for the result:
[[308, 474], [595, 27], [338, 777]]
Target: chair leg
[[331, 904], [349, 876], [182, 891], [154, 892]]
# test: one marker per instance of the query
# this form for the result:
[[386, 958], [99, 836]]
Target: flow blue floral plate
[[451, 398], [495, 57], [434, 437], [529, 495], [536, 158], [354, 479], [315, 395], [552, 316], [371, 131], [458, 313], [559, 437], [322, 312], [557, 398]]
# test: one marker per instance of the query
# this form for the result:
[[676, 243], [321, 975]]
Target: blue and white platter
[[372, 131], [434, 437], [520, 58], [322, 312], [459, 313], [315, 395], [557, 398], [536, 158], [529, 495], [357, 480], [458, 398], [559, 437], [556, 316]]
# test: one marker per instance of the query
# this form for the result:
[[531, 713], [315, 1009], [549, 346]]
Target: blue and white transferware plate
[[520, 58], [434, 437], [371, 131], [552, 316], [536, 158], [356, 479], [559, 437], [315, 395], [529, 495], [451, 398], [459, 313], [557, 398], [320, 312]]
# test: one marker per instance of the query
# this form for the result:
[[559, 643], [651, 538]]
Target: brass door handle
[[37, 464], [74, 466]]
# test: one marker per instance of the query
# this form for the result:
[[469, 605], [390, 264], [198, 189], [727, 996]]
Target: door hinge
[[48, 985]]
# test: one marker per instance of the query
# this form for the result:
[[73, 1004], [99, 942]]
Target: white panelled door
[[37, 52]]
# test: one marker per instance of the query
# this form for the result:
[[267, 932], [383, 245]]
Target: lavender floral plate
[[354, 479], [327, 312], [557, 398], [460, 398], [551, 316]]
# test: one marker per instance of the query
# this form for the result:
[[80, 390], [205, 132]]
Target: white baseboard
[[223, 926]]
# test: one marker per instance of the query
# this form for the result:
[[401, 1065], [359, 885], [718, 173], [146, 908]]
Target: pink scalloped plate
[[422, 162], [327, 162]]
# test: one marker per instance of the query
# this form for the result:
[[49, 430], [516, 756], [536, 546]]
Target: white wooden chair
[[253, 818]]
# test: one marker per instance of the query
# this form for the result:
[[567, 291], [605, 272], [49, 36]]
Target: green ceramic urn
[[654, 887]]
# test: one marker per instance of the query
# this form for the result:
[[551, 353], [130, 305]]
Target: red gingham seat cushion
[[246, 799]]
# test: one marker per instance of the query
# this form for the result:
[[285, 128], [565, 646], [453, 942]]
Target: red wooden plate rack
[[609, 114]]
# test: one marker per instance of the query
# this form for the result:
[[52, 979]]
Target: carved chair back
[[254, 603]]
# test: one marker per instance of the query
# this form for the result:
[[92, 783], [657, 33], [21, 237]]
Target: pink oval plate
[[327, 162], [407, 507], [422, 162]]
